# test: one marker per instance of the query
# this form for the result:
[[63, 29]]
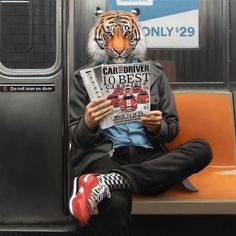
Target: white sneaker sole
[[75, 190]]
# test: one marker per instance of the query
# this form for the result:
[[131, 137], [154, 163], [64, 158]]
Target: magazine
[[126, 85]]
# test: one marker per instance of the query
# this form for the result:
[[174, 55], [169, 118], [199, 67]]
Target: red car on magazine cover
[[119, 90], [143, 97], [136, 89], [128, 102], [127, 90], [115, 101]]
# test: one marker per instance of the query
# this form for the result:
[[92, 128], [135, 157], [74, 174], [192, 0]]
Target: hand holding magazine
[[126, 85]]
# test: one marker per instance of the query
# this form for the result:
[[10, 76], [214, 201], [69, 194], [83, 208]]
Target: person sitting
[[112, 164]]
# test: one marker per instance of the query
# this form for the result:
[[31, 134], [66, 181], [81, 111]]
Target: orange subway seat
[[208, 115]]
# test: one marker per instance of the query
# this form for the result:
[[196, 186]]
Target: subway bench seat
[[208, 115]]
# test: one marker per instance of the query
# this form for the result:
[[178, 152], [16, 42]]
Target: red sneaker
[[87, 193]]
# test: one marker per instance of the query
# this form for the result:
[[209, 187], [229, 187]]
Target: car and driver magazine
[[126, 85]]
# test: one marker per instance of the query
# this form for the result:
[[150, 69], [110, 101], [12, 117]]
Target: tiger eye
[[127, 33], [109, 34]]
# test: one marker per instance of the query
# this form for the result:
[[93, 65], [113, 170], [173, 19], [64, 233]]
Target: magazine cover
[[126, 85]]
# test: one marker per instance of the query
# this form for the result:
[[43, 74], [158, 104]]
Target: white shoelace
[[98, 194]]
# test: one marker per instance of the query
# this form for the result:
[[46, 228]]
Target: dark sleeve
[[81, 136], [169, 125]]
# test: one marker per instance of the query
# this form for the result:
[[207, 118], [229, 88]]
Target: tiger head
[[117, 37]]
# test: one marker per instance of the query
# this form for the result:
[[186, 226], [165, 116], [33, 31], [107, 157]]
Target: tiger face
[[116, 37]]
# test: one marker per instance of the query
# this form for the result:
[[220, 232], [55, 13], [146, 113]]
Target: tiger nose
[[119, 50], [119, 44]]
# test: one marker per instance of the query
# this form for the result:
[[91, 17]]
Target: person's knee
[[204, 149]]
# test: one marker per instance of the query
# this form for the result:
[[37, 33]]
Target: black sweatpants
[[149, 172]]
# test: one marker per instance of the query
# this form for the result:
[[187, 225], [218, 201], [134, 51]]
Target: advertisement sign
[[166, 23]]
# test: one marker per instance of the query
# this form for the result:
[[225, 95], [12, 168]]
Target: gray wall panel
[[206, 63]]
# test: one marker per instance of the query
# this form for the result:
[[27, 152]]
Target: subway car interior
[[42, 44]]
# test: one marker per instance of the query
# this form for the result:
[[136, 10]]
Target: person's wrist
[[88, 125]]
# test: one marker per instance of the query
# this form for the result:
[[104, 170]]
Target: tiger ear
[[99, 12], [136, 11]]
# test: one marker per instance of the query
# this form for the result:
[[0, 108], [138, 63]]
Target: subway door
[[32, 170]]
